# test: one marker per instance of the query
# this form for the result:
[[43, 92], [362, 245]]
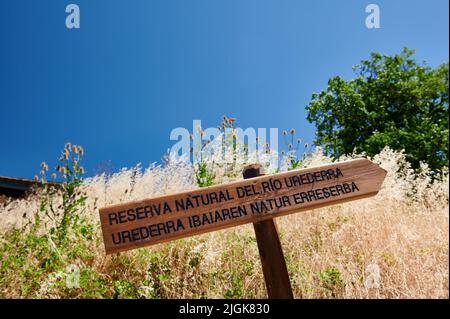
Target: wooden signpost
[[257, 199]]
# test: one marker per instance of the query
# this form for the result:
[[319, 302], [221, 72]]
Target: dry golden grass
[[394, 245]]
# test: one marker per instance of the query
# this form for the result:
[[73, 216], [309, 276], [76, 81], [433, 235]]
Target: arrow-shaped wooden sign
[[160, 219]]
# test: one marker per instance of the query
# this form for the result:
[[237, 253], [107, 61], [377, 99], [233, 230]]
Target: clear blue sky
[[137, 69]]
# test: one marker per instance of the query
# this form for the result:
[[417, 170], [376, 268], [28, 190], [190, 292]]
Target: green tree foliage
[[393, 101]]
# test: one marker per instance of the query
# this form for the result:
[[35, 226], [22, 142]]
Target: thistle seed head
[[44, 166]]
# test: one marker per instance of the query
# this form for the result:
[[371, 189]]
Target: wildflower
[[67, 146], [292, 131], [44, 167], [74, 149], [80, 150], [65, 155]]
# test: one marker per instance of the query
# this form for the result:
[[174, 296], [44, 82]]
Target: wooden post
[[272, 259]]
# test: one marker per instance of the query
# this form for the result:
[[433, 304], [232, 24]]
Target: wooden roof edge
[[25, 181]]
